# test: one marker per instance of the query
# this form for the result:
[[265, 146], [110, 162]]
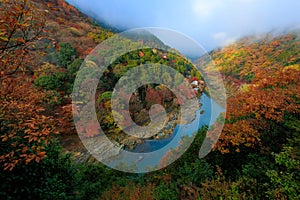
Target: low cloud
[[223, 39], [212, 23]]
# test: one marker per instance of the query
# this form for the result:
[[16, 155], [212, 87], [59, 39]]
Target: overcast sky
[[212, 23]]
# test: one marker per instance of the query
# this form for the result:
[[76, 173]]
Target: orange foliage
[[249, 113], [24, 126], [20, 28], [262, 81], [25, 129]]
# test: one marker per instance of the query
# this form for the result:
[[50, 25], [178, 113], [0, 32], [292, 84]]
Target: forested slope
[[42, 46]]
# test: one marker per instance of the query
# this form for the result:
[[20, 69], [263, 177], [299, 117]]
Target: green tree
[[66, 55], [285, 182], [74, 67], [48, 82]]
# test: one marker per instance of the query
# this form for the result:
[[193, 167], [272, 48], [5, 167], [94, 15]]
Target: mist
[[212, 23]]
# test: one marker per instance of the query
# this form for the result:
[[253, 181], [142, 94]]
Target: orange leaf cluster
[[249, 113], [25, 128]]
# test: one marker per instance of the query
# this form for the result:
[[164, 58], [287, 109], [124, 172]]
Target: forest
[[42, 46]]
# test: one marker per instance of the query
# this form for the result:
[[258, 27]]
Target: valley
[[47, 50]]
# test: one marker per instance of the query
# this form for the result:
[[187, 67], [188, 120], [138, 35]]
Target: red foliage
[[193, 79], [153, 97], [250, 112]]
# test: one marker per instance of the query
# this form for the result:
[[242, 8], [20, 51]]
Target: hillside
[[42, 46]]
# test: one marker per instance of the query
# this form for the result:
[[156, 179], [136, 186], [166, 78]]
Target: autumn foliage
[[251, 113], [25, 127], [21, 26], [42, 44]]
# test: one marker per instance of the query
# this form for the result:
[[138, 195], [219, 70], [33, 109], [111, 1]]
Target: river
[[204, 116]]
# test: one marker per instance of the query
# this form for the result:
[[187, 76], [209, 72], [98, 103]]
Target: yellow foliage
[[296, 67]]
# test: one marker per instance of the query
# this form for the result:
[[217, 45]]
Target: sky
[[212, 23]]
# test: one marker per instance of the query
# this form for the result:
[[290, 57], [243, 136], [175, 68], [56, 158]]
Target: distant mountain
[[102, 23], [146, 38]]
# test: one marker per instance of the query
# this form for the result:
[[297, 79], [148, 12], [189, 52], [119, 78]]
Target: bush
[[74, 67], [196, 172], [94, 179], [52, 178], [52, 98], [285, 182], [129, 192], [166, 192], [48, 82], [219, 188], [66, 55], [62, 76]]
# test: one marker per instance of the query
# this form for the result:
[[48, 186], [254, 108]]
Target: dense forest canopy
[[42, 46]]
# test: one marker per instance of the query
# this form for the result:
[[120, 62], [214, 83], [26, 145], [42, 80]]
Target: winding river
[[204, 116]]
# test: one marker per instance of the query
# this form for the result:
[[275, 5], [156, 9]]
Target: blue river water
[[204, 116]]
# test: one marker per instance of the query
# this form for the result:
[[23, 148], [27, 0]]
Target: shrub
[[74, 67], [48, 82], [94, 179], [66, 55], [52, 178], [285, 182], [52, 98], [166, 192]]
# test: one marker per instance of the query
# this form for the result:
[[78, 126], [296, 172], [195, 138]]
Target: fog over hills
[[212, 23]]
